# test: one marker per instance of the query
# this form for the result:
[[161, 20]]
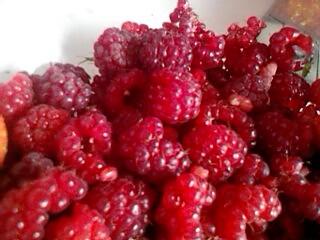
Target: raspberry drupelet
[[83, 143], [36, 130], [125, 205], [145, 151], [216, 148], [25, 211], [64, 86]]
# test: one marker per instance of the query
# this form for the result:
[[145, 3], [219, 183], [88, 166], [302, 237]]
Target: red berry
[[179, 212], [82, 223], [125, 205], [230, 116], [134, 27], [24, 211], [115, 50], [145, 151], [36, 130], [289, 91], [16, 96], [83, 142], [253, 170], [283, 165], [278, 134], [290, 49], [63, 86], [239, 205], [161, 48], [174, 96], [216, 148]]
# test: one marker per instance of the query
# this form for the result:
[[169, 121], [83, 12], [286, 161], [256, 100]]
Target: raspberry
[[315, 92], [239, 205], [24, 211], [161, 48], [287, 165], [289, 91], [120, 91], [82, 223], [250, 60], [83, 142], [145, 151], [115, 50], [125, 205], [230, 116], [181, 206], [278, 134], [216, 148], [16, 96], [134, 27], [253, 170], [290, 49], [174, 96], [3, 140], [64, 86], [36, 130]]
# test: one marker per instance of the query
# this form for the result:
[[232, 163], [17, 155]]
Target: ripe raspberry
[[181, 206], [36, 130], [216, 148], [63, 86], [250, 60], [230, 116], [277, 134], [289, 91], [24, 211], [161, 48], [254, 169], [120, 91], [315, 92], [83, 142], [174, 96], [16, 96], [82, 223], [290, 49], [145, 151], [134, 27], [239, 205], [3, 140], [125, 205], [115, 50]]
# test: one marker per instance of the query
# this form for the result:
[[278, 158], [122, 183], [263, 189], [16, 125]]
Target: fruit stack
[[183, 135]]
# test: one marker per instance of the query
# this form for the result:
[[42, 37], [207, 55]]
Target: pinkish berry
[[16, 96], [64, 86], [125, 205], [83, 142], [82, 223], [181, 206], [217, 149], [289, 91], [145, 151], [36, 130], [24, 211], [174, 96], [134, 27], [115, 50], [290, 49], [230, 116], [161, 48], [253, 170]]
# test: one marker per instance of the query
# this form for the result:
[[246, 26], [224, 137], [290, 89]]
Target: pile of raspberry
[[183, 135]]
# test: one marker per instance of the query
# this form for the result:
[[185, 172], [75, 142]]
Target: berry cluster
[[183, 135]]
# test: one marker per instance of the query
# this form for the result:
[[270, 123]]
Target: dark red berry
[[216, 148], [125, 205], [83, 142], [36, 130], [146, 152], [174, 96], [16, 96], [290, 48], [82, 223], [64, 86]]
